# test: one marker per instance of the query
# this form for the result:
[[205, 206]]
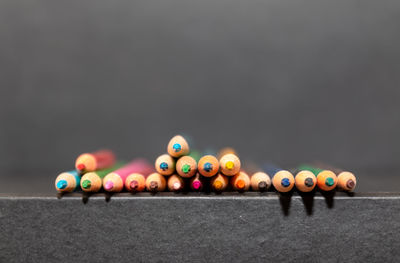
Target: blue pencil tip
[[163, 166], [177, 147], [285, 182], [62, 184], [208, 167]]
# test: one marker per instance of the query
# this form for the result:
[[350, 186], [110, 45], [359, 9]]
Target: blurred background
[[281, 81]]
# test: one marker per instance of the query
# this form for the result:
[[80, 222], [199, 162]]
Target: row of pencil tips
[[183, 170]]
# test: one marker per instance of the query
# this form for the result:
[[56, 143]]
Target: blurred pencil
[[89, 162]]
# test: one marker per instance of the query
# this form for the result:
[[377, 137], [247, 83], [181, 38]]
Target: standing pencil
[[260, 181], [186, 166], [178, 146], [88, 162], [208, 166], [305, 181], [93, 181], [165, 165], [282, 180], [175, 183], [219, 183], [196, 183], [115, 181], [346, 180], [67, 181], [155, 182], [229, 164], [240, 182]]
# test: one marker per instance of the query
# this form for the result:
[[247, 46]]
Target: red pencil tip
[[81, 167], [134, 185]]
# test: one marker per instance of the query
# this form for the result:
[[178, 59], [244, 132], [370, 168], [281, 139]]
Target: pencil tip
[[81, 167], [108, 185], [350, 184], [262, 186], [186, 168], [229, 165], [308, 182], [134, 185], [208, 167], [285, 182], [153, 186], [196, 185], [177, 147], [86, 184], [163, 166], [217, 185], [176, 186], [240, 184], [62, 184], [329, 181]]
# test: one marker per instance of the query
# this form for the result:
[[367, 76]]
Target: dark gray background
[[280, 80]]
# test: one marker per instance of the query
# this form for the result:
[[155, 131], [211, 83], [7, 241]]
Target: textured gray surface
[[281, 80], [178, 228]]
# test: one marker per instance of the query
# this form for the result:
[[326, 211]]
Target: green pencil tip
[[86, 184], [186, 168], [329, 181]]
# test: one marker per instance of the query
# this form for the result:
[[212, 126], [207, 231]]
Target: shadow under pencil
[[308, 201], [329, 198], [285, 199]]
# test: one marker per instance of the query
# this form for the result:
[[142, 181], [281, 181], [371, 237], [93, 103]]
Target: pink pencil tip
[[108, 185], [196, 185]]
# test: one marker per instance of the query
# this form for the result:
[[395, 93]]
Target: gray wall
[[280, 80]]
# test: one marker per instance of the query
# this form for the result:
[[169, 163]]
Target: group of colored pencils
[[179, 170]]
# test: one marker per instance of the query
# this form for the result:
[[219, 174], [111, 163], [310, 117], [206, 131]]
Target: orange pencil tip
[[217, 185], [240, 184]]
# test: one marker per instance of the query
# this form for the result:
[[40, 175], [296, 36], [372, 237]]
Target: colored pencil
[[165, 165], [229, 164], [115, 181], [282, 180], [155, 182], [186, 166], [260, 181], [67, 181], [178, 147], [208, 166], [196, 183], [89, 162], [93, 181], [305, 181], [240, 182], [175, 183], [219, 183]]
